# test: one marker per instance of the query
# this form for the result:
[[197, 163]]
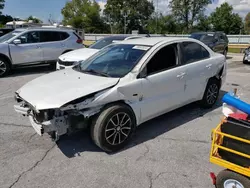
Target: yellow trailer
[[234, 175]]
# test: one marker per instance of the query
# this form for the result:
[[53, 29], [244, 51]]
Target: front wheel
[[113, 128], [4, 67], [229, 179], [211, 93], [244, 61]]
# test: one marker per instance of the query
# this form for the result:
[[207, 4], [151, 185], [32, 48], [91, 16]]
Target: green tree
[[83, 14], [163, 25], [138, 13], [223, 19], [5, 18], [188, 11], [247, 23], [35, 20], [204, 24], [1, 5]]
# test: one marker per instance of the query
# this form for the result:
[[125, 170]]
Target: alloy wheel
[[118, 128], [212, 94], [3, 67], [231, 183]]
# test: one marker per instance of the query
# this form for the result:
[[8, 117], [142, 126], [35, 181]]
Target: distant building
[[22, 24]]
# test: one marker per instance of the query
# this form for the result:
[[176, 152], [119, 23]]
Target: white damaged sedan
[[122, 86]]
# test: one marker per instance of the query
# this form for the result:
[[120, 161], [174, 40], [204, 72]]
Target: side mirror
[[17, 41], [143, 74], [216, 39]]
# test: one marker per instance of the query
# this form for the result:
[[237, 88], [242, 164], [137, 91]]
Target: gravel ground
[[169, 151]]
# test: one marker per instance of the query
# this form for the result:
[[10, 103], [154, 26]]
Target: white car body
[[82, 94], [69, 59]]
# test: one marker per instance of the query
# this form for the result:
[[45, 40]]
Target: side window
[[194, 52], [30, 37], [221, 38], [64, 35], [164, 59], [50, 36]]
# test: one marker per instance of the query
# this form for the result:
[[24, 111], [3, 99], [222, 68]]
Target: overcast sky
[[43, 8]]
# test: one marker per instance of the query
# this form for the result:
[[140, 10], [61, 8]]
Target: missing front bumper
[[59, 125]]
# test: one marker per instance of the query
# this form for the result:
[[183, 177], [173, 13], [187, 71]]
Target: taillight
[[79, 41]]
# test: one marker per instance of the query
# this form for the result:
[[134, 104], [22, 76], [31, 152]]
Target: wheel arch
[[123, 102], [6, 58]]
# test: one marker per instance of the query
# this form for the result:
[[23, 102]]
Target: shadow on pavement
[[75, 144], [28, 70]]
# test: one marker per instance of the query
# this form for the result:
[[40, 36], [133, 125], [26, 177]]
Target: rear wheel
[[225, 52], [229, 179], [113, 128], [4, 67], [211, 93]]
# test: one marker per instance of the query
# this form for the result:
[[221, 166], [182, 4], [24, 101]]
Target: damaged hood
[[58, 88], [78, 55]]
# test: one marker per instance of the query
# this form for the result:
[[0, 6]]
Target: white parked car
[[68, 60], [113, 94]]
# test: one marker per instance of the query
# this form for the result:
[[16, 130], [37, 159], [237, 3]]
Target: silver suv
[[35, 46]]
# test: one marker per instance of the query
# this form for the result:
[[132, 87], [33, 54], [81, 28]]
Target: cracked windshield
[[124, 93]]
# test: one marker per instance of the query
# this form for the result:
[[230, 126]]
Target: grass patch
[[88, 42], [234, 50]]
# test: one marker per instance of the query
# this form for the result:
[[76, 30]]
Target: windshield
[[9, 36], [101, 43], [113, 61], [203, 37]]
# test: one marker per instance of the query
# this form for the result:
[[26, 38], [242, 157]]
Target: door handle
[[181, 75], [209, 65]]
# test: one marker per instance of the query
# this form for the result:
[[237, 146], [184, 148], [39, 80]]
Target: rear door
[[51, 45], [221, 43], [199, 69], [29, 50]]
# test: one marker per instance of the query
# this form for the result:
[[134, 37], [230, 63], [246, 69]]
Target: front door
[[29, 50], [163, 85]]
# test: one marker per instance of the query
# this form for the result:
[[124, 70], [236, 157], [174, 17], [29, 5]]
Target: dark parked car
[[217, 41], [5, 31]]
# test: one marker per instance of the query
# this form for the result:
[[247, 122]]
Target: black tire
[[225, 53], [227, 175], [244, 61], [101, 132], [213, 86], [4, 67], [53, 66]]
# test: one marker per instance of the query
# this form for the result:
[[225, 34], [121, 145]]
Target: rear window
[[49, 36], [64, 35]]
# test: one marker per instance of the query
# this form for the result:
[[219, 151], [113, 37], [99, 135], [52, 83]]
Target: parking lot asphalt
[[169, 151]]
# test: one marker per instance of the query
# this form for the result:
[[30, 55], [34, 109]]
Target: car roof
[[148, 41], [116, 37], [43, 29], [208, 32]]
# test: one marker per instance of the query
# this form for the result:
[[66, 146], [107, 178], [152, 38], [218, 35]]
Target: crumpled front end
[[55, 122], [51, 121]]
